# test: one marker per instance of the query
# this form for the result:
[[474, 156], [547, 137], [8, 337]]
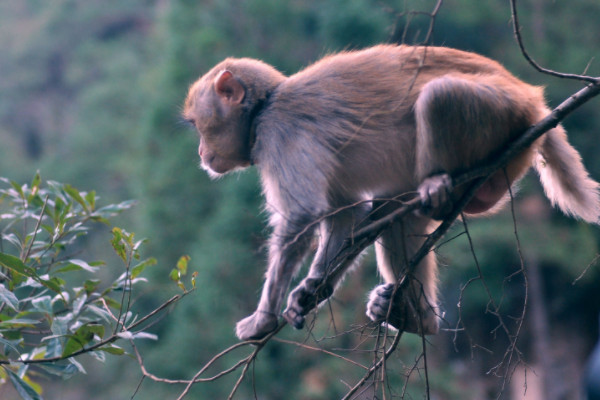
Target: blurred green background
[[90, 94]]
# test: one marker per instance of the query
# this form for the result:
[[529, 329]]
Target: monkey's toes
[[294, 318], [256, 326], [379, 302]]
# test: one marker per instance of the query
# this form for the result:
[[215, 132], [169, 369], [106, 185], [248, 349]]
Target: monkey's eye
[[190, 122]]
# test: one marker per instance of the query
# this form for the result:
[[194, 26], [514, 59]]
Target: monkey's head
[[223, 105]]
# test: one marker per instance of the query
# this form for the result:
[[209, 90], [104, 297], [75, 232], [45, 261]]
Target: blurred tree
[[90, 93]]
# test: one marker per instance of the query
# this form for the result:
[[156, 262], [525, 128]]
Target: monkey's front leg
[[284, 258]]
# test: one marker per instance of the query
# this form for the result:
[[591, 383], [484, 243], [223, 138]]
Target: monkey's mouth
[[217, 166], [207, 164], [211, 173]]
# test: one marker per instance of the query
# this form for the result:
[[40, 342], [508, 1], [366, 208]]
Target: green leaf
[[90, 197], [11, 343], [100, 312], [43, 304], [77, 365], [55, 284], [37, 179], [112, 349], [90, 285], [102, 220], [174, 275], [53, 348], [60, 325], [194, 275], [113, 209], [74, 194], [7, 297], [182, 264], [59, 205], [137, 335], [84, 335], [23, 388], [35, 186], [63, 211], [18, 323], [98, 355], [18, 188], [14, 263], [117, 243], [139, 268], [78, 303], [76, 265], [64, 371], [112, 302]]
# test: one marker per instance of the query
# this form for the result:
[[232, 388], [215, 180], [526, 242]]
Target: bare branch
[[375, 367], [305, 346], [517, 32]]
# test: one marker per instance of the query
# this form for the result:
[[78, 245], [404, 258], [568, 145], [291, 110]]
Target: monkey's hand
[[306, 297], [256, 326], [436, 196]]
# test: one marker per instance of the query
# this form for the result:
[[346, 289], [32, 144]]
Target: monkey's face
[[222, 152], [214, 107]]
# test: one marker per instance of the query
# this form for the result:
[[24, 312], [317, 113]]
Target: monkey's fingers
[[436, 196]]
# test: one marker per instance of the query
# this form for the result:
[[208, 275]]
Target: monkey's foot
[[256, 326], [306, 297], [403, 315], [436, 196]]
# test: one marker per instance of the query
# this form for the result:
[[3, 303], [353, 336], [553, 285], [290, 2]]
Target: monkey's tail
[[565, 180]]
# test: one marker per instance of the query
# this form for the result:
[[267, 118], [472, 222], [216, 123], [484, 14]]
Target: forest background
[[90, 94]]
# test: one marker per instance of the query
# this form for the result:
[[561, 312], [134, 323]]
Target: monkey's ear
[[229, 88]]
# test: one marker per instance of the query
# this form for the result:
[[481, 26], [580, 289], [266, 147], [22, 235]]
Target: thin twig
[[25, 256], [375, 367], [592, 263], [517, 32], [305, 346]]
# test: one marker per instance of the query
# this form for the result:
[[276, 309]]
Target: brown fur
[[367, 125]]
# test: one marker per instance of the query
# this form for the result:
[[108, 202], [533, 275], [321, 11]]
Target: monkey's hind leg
[[407, 301], [461, 121]]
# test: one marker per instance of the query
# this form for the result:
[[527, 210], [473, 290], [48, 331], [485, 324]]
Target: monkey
[[339, 142]]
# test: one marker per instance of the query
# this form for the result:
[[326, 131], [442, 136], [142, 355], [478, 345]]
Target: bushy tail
[[565, 180]]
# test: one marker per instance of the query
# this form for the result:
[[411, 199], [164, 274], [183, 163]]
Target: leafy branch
[[49, 315]]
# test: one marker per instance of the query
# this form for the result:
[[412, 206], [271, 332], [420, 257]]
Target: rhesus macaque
[[371, 125]]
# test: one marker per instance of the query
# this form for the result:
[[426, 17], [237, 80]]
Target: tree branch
[[517, 32]]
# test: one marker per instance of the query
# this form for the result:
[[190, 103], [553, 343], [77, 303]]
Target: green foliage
[[53, 308]]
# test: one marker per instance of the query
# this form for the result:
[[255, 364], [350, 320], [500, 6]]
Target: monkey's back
[[349, 119]]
